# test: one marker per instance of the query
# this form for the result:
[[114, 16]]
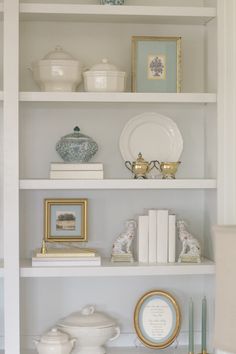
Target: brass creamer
[[168, 169]]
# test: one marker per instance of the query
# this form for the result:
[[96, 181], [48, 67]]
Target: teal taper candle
[[204, 315], [191, 328]]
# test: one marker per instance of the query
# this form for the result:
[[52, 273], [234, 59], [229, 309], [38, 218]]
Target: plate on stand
[[156, 136]]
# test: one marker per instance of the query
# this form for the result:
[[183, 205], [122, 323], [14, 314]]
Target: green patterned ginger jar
[[76, 147]]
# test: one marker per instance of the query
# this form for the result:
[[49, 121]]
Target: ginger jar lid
[[88, 317], [104, 66], [76, 135], [54, 336], [58, 54]]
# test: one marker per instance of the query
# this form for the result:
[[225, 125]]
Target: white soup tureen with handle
[[92, 330], [57, 71]]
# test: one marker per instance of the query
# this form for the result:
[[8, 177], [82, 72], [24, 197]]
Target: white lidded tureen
[[57, 71], [54, 342], [104, 77], [92, 330]]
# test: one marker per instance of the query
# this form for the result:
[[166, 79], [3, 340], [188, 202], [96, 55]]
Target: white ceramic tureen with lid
[[104, 77], [54, 342], [57, 71], [92, 330]]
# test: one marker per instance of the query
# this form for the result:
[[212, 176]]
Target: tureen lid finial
[[76, 129], [88, 310]]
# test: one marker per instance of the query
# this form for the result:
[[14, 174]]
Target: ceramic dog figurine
[[191, 250], [123, 242], [121, 249]]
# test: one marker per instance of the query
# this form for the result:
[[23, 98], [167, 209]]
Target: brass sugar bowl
[[140, 168]]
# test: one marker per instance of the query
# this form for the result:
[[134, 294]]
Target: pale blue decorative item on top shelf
[[112, 2], [76, 147]]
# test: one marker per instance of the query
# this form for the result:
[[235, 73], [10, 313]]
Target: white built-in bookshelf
[[203, 193]]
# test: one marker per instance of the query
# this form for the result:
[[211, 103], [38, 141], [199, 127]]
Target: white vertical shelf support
[[226, 112], [11, 177]]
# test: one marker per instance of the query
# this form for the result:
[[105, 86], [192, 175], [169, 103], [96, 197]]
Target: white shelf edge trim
[[152, 11], [118, 184], [129, 339], [117, 97], [113, 269]]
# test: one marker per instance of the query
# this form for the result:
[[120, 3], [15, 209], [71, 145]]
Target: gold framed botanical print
[[157, 319], [156, 64], [65, 220]]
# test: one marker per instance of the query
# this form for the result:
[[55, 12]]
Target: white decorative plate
[[156, 136]]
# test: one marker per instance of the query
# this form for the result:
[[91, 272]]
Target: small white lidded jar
[[54, 342], [104, 77], [57, 71]]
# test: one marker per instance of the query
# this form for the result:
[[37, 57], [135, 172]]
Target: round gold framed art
[[157, 319]]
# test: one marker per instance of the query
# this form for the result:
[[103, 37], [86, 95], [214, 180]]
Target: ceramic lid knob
[[54, 336], [88, 310], [104, 66], [58, 54]]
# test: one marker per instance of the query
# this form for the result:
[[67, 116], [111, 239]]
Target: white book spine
[[76, 174], [172, 238], [60, 166], [162, 236], [142, 241], [152, 239]]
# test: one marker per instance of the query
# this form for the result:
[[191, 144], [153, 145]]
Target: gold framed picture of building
[[65, 220]]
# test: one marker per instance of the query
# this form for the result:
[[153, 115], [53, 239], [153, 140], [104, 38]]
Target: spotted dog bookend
[[191, 250], [121, 250]]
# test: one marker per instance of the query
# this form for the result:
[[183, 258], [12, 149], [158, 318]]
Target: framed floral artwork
[[65, 220], [156, 64]]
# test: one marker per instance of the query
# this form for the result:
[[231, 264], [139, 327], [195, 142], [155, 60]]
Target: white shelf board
[[108, 269], [129, 350], [118, 184], [130, 14], [117, 97]]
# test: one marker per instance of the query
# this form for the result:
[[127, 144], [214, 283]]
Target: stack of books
[[58, 257], [60, 170], [156, 242]]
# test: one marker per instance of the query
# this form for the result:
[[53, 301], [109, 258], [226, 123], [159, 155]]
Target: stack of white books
[[57, 257], [156, 241], [61, 170]]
